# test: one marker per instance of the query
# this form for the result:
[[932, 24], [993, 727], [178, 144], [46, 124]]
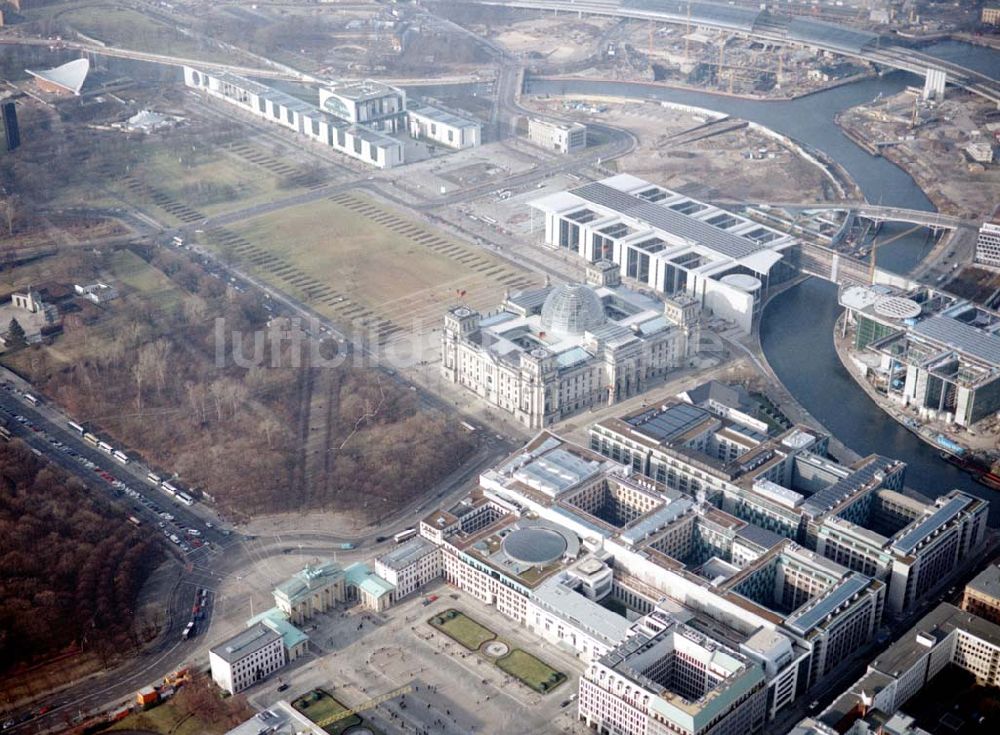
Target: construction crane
[[370, 704]]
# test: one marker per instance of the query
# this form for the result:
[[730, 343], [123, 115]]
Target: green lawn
[[463, 629], [317, 705], [532, 671], [213, 182]]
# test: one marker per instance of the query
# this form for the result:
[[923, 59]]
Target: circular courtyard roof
[[742, 281], [572, 308], [534, 545], [896, 307]]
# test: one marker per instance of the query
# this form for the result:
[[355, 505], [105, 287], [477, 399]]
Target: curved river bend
[[800, 349]]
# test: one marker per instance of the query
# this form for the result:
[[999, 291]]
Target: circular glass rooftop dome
[[572, 308], [897, 307], [537, 546]]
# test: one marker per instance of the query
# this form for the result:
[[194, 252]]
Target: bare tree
[[197, 397], [270, 427], [9, 207], [217, 389], [145, 367]]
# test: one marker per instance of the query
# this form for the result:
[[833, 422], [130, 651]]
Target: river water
[[797, 326]]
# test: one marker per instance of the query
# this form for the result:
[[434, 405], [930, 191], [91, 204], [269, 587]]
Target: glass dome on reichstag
[[572, 308]]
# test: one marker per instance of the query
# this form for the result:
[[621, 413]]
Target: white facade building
[[370, 104], [352, 138], [670, 243], [409, 566], [248, 657], [556, 529], [561, 137], [440, 126]]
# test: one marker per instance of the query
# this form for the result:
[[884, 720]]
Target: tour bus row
[[164, 485]]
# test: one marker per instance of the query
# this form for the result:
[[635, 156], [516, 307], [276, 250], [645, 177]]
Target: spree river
[[797, 326]]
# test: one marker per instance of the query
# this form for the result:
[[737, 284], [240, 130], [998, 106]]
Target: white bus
[[403, 535], [134, 521], [105, 447], [31, 399], [75, 427], [120, 456], [168, 488], [185, 498]]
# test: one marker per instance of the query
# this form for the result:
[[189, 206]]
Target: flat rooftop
[[407, 553], [964, 338], [442, 116], [668, 220], [987, 582], [669, 422], [362, 90], [246, 642], [871, 470], [935, 625]]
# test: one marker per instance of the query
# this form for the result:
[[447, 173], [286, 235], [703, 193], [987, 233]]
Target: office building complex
[[854, 515], [671, 243], [988, 245], [561, 137], [982, 594], [248, 657], [670, 679], [551, 352], [556, 529], [927, 349], [946, 635], [356, 132], [440, 126]]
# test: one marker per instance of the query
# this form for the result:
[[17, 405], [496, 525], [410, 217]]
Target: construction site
[[948, 146]]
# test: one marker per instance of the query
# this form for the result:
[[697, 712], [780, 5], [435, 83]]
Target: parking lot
[[149, 505]]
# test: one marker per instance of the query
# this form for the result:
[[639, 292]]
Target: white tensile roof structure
[[69, 76]]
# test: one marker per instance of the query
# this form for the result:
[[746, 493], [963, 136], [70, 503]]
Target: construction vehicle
[[370, 704]]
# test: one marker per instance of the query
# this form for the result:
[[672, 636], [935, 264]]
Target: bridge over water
[[878, 213], [763, 26]]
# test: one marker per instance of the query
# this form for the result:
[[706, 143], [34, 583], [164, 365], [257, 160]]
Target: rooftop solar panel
[[829, 496], [667, 220], [666, 425], [942, 515], [830, 34], [962, 337], [809, 618]]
